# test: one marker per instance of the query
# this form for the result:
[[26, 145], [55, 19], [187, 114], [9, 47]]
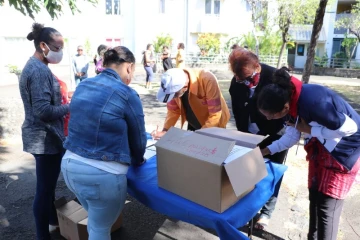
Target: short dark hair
[[118, 55], [182, 45], [101, 47], [40, 34], [148, 46], [273, 97]]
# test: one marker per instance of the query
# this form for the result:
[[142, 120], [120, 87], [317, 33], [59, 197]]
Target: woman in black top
[[250, 76], [166, 58]]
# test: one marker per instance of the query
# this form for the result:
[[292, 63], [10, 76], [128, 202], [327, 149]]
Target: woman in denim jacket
[[106, 135]]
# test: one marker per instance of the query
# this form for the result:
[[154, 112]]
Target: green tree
[[162, 40], [209, 43], [352, 23], [229, 43], [53, 7], [258, 10], [293, 12], [87, 47], [349, 43]]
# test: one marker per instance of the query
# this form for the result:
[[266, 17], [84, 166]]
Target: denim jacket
[[107, 121]]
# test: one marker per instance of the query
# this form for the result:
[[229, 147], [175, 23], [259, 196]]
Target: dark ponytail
[[40, 33], [118, 55], [273, 97]]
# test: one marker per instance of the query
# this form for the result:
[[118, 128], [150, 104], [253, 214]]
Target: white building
[[330, 38], [135, 23], [132, 23]]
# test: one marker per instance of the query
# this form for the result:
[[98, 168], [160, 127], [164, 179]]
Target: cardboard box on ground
[[73, 220], [213, 167]]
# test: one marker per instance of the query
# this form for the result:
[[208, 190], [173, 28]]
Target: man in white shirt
[[80, 65]]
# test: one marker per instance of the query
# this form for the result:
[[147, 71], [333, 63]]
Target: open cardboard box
[[191, 164], [73, 220]]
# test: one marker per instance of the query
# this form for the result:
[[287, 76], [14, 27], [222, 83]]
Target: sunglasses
[[247, 80], [79, 50]]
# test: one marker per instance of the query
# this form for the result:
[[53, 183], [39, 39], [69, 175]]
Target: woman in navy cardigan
[[332, 143]]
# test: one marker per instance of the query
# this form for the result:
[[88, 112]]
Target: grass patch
[[350, 93]]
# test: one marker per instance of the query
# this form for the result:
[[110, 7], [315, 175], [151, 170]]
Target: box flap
[[69, 208], [241, 138], [195, 145], [250, 166], [78, 216]]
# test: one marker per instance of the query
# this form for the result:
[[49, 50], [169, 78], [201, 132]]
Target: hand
[[265, 151], [70, 94], [301, 126], [78, 74], [156, 135], [82, 74]]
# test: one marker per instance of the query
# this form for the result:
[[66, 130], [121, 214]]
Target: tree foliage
[[209, 43], [162, 40], [352, 23], [296, 12], [54, 7], [258, 10]]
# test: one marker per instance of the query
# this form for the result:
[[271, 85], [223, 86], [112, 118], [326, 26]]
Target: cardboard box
[[73, 220], [191, 164]]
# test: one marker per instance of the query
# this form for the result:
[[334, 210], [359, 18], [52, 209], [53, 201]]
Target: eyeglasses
[[247, 80], [79, 50]]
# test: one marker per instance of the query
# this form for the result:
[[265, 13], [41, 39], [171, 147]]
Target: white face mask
[[53, 57]]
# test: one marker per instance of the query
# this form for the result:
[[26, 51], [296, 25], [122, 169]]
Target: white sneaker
[[52, 228]]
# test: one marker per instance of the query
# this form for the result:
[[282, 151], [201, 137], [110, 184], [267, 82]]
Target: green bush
[[14, 69]]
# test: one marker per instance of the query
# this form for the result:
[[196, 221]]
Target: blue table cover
[[143, 186]]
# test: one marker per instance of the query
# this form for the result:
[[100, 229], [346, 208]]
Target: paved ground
[[17, 184]]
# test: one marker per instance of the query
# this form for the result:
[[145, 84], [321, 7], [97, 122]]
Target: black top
[[190, 116], [244, 107]]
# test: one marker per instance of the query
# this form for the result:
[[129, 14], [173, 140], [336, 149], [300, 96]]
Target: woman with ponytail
[[331, 129], [43, 127], [106, 135]]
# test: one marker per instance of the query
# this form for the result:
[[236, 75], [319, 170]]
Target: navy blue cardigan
[[322, 105]]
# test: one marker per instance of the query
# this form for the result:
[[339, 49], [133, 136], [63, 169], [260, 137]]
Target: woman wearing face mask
[[331, 130], [106, 135], [250, 76], [43, 127]]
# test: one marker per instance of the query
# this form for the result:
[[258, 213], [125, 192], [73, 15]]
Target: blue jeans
[[102, 194], [149, 74], [47, 173]]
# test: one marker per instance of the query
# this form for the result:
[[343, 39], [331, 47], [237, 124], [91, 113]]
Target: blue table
[[143, 186]]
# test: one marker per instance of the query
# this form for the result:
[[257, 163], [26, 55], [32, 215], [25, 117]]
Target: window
[[162, 6], [211, 8], [208, 6], [300, 49], [112, 7], [113, 42], [216, 6]]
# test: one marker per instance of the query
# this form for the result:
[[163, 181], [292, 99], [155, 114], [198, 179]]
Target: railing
[[220, 60], [338, 63]]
